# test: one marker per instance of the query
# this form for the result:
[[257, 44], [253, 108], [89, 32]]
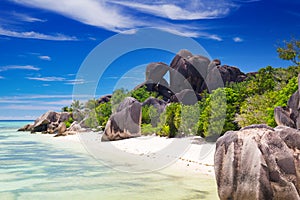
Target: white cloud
[[35, 35], [91, 12], [63, 102], [45, 58], [176, 12], [214, 37], [27, 18], [26, 117], [1, 77], [115, 15], [31, 107], [47, 79], [21, 67], [181, 32], [75, 82], [237, 39], [39, 96]]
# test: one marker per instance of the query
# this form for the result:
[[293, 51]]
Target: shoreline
[[146, 153]]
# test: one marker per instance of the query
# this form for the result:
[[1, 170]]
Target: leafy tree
[[189, 119], [170, 120], [66, 109], [77, 110], [103, 112], [117, 97], [259, 109], [77, 105], [290, 51], [91, 119], [219, 113], [91, 104]]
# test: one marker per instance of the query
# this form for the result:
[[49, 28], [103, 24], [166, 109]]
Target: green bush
[[170, 120], [259, 109], [148, 129], [164, 131], [103, 112], [142, 94], [145, 115], [69, 122]]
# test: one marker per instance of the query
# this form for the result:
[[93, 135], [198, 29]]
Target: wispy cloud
[[91, 12], [31, 107], [25, 117], [170, 10], [36, 35], [27, 18], [75, 82], [40, 96], [59, 102], [121, 16], [21, 67], [47, 79], [1, 77], [45, 58], [237, 39], [58, 79]]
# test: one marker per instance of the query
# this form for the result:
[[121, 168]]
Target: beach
[[197, 156], [40, 166]]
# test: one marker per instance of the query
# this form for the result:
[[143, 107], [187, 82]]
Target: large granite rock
[[42, 122], [27, 127], [125, 123], [231, 74], [159, 104], [188, 72], [290, 116], [186, 97], [156, 71], [104, 99], [258, 162], [48, 122], [283, 117], [128, 101], [76, 127], [197, 72]]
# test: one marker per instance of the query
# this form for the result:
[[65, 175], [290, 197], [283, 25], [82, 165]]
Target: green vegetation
[[69, 122], [230, 108], [142, 94], [290, 51]]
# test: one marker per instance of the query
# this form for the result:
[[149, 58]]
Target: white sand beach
[[147, 153]]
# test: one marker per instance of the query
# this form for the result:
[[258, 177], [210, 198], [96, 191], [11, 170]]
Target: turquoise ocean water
[[33, 167]]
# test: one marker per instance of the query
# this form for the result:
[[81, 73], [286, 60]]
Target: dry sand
[[148, 153]]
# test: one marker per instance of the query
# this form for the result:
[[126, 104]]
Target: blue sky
[[44, 42]]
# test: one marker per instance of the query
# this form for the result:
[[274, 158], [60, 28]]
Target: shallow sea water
[[33, 168]]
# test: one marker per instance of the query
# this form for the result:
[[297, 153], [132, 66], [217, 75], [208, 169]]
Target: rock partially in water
[[27, 127], [258, 162], [50, 122]]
